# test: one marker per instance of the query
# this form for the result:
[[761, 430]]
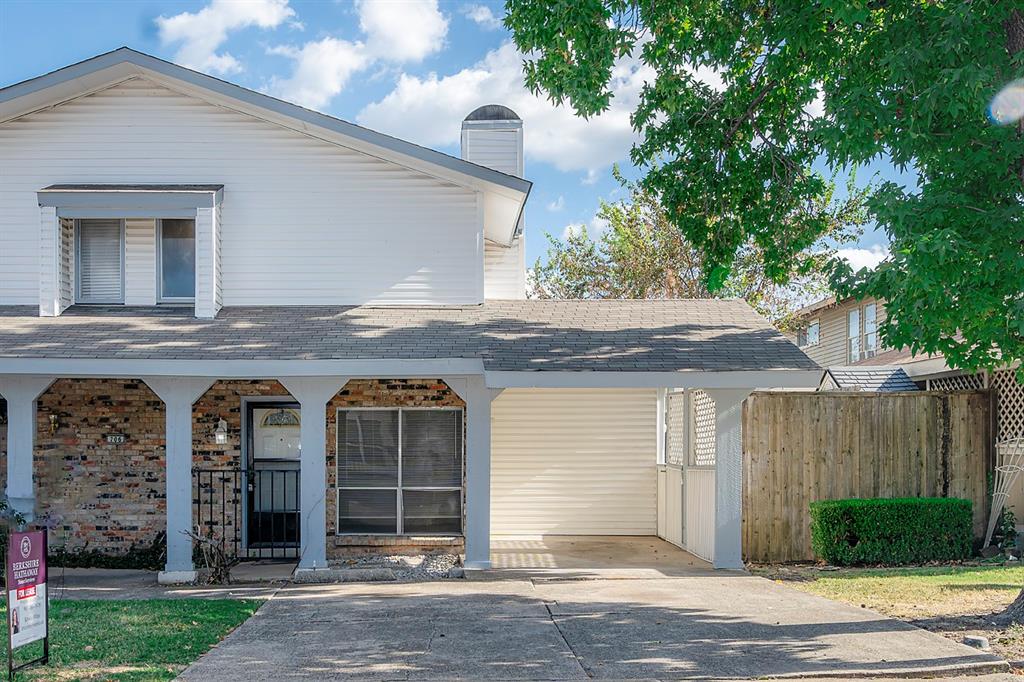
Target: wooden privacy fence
[[802, 447]]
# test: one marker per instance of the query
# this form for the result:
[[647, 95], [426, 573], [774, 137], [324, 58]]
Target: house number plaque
[[116, 438]]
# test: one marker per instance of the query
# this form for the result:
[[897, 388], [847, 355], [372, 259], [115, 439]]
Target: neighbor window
[[862, 334], [177, 259], [809, 335], [400, 471], [99, 265]]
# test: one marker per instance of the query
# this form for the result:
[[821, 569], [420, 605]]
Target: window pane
[[367, 511], [178, 258], [870, 328], [813, 333], [432, 448], [432, 511], [368, 448], [99, 261], [853, 334]]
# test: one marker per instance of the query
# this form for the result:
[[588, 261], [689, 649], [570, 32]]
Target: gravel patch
[[387, 567]]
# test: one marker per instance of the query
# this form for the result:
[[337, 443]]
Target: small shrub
[[891, 532], [146, 557]]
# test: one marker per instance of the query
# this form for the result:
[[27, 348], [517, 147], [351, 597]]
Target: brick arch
[[101, 496], [376, 393], [223, 400]]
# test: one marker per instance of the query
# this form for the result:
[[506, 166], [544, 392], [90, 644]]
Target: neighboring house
[[837, 333], [840, 333], [200, 280], [869, 379]]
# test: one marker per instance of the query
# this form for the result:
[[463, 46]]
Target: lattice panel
[[966, 382], [675, 449], [1009, 404], [703, 429]]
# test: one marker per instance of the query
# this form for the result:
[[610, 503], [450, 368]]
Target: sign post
[[27, 605]]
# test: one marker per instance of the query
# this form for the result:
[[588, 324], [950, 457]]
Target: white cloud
[[202, 33], [402, 30], [429, 110], [322, 69], [394, 31], [482, 16], [864, 258], [556, 205], [595, 227]]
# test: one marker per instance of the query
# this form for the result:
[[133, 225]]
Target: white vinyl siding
[[497, 149], [574, 462], [67, 263], [303, 222], [505, 270], [140, 261], [100, 264]]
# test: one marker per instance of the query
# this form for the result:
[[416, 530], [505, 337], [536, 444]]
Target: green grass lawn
[[951, 600], [130, 640]]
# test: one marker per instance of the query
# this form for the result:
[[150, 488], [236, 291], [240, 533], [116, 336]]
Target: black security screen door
[[272, 477]]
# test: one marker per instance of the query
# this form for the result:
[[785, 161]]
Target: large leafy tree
[[747, 94], [642, 254]]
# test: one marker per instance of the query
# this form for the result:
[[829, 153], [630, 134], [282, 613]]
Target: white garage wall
[[574, 462]]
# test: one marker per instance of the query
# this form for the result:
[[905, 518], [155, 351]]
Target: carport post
[[728, 476], [178, 394], [478, 468], [21, 392]]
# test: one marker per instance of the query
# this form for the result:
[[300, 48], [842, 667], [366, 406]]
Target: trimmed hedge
[[891, 532]]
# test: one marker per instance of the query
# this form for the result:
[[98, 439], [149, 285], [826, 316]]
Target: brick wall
[[98, 495], [109, 497]]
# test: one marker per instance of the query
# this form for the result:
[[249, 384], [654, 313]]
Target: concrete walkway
[[106, 583], [714, 626]]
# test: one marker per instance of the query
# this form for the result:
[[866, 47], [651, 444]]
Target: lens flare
[[1007, 107]]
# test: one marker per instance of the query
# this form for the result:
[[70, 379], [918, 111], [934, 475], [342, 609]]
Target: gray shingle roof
[[710, 335], [873, 379]]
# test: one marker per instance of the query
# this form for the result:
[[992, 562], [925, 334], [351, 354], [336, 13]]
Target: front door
[[272, 478]]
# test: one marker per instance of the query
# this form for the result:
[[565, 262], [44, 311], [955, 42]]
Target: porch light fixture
[[220, 434]]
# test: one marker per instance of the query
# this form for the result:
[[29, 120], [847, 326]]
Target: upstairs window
[[177, 260], [400, 471], [809, 335], [862, 332], [99, 265]]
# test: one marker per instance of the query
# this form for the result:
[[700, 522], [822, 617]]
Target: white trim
[[770, 378], [240, 369]]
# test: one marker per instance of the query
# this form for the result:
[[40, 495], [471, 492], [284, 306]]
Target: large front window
[[177, 259], [400, 471]]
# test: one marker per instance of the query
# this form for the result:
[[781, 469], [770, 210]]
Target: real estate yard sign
[[27, 612]]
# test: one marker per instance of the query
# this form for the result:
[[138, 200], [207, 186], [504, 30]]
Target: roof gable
[[504, 196]]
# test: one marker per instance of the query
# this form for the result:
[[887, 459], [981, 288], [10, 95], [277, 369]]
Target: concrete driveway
[[714, 626]]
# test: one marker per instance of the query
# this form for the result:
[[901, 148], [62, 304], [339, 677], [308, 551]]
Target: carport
[[603, 473], [583, 459]]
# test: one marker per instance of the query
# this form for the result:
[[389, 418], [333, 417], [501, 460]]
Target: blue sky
[[411, 68]]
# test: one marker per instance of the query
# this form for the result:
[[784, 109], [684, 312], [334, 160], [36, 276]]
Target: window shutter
[[99, 261]]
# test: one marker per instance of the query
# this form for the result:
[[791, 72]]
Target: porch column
[[728, 476], [21, 392], [478, 400], [178, 394], [313, 394], [49, 262]]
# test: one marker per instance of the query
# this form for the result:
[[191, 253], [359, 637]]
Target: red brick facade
[[111, 496]]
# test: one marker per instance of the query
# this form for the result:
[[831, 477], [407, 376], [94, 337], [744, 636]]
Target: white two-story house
[[224, 312]]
